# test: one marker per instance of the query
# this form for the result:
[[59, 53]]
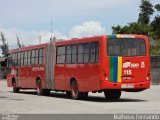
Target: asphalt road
[[27, 102]]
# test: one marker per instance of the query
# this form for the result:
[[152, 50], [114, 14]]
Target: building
[[3, 67]]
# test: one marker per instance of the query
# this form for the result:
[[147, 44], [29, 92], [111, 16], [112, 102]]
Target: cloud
[[28, 37], [89, 28]]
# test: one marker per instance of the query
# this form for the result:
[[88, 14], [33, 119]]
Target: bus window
[[60, 54], [29, 57], [94, 52], [33, 57], [36, 57], [68, 54], [19, 58], [15, 59], [97, 51], [41, 56], [80, 53], [22, 53], [86, 52], [74, 54], [25, 58], [10, 60], [126, 47]]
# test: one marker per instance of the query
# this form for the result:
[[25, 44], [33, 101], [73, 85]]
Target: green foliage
[[4, 47], [155, 28], [157, 7], [154, 49], [132, 28], [146, 10]]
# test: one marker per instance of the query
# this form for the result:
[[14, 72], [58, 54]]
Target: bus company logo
[[38, 69], [13, 72], [131, 65]]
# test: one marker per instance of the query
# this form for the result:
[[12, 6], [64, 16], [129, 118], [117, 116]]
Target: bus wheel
[[40, 91], [74, 91], [15, 88], [68, 94], [112, 94]]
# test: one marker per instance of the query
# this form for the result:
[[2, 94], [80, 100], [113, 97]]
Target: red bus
[[108, 63]]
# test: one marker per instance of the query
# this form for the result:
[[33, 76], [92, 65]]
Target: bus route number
[[127, 72]]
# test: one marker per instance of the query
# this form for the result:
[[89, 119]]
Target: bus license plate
[[127, 86]]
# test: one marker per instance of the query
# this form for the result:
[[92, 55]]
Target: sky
[[30, 19]]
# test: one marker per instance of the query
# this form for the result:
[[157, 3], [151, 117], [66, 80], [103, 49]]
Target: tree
[[146, 10], [155, 27], [155, 24], [4, 45], [131, 28], [157, 7], [116, 29]]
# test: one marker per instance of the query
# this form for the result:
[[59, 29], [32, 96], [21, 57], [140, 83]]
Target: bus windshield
[[126, 47]]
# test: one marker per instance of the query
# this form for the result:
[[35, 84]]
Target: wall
[[155, 69]]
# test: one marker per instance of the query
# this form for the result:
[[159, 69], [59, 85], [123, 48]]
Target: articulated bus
[[108, 63]]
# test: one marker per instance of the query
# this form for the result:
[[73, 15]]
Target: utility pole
[[52, 36], [51, 29], [40, 39], [18, 42], [4, 46]]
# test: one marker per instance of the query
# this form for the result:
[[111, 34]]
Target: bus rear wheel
[[112, 94], [74, 91], [40, 90], [15, 88]]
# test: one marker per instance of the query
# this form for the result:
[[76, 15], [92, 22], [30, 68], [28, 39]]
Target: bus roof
[[79, 40], [27, 48]]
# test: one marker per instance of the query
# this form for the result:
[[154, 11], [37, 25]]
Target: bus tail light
[[106, 77], [148, 76]]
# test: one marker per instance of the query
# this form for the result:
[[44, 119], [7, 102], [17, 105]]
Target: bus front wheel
[[39, 88], [15, 88], [112, 94], [74, 91]]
